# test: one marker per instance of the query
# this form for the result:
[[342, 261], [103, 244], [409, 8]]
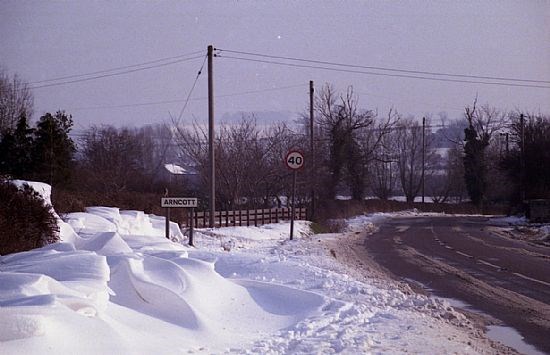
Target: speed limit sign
[[294, 160]]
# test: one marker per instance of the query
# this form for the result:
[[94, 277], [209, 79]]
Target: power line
[[191, 91], [181, 114], [382, 74], [181, 56], [191, 99], [115, 74], [385, 68], [422, 102], [262, 90]]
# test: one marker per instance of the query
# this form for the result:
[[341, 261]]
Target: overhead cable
[[116, 73], [191, 99], [191, 91], [381, 74], [181, 56], [385, 68]]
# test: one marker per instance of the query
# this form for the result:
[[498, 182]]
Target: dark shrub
[[26, 222]]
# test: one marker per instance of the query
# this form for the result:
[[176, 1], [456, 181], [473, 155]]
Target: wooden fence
[[243, 218]]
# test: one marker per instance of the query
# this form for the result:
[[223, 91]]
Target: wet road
[[462, 258]]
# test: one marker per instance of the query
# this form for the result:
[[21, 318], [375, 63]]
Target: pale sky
[[42, 40]]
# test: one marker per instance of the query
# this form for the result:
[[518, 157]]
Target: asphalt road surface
[[465, 259]]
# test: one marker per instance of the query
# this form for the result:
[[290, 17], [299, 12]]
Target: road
[[463, 258]]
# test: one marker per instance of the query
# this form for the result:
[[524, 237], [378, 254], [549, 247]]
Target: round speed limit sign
[[294, 160]]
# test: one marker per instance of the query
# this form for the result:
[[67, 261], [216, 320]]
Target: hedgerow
[[26, 221]]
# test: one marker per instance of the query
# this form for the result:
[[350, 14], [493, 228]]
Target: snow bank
[[117, 270], [111, 219], [43, 189], [510, 220], [365, 222], [116, 285], [355, 318]]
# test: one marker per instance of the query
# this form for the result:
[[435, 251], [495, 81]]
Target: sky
[[42, 40]]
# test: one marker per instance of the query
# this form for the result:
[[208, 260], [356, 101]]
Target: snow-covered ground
[[116, 285]]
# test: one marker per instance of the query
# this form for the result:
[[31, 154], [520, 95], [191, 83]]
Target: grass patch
[[318, 228]]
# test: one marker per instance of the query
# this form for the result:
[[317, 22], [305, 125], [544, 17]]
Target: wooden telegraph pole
[[312, 149], [211, 137], [522, 158], [423, 154]]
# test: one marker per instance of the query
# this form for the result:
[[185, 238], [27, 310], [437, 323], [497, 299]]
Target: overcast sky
[[41, 40]]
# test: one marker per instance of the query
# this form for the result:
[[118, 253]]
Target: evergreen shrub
[[26, 221]]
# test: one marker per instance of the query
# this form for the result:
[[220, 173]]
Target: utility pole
[[522, 157], [423, 153], [211, 137], [312, 149], [505, 135]]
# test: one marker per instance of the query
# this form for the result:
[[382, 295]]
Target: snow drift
[[112, 259], [114, 284]]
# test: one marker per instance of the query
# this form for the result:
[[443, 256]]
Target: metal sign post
[[292, 210], [191, 226], [179, 202], [295, 161], [167, 226]]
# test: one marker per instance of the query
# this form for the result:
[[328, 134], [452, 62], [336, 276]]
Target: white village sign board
[[188, 202]]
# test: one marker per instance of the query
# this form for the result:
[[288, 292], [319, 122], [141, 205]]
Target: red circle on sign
[[294, 160]]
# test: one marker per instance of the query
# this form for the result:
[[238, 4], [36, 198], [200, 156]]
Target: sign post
[[295, 161], [179, 202], [167, 225], [191, 226]]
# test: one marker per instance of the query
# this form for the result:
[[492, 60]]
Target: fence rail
[[244, 217]]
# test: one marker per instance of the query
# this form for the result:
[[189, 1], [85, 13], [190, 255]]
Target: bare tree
[[527, 161], [277, 179], [483, 122], [115, 160], [249, 161], [191, 144], [408, 136], [239, 158], [158, 149], [341, 121], [449, 185], [379, 149], [16, 100], [384, 172]]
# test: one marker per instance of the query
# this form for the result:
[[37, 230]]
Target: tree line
[[487, 156]]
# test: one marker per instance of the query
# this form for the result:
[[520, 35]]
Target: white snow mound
[[116, 285]]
